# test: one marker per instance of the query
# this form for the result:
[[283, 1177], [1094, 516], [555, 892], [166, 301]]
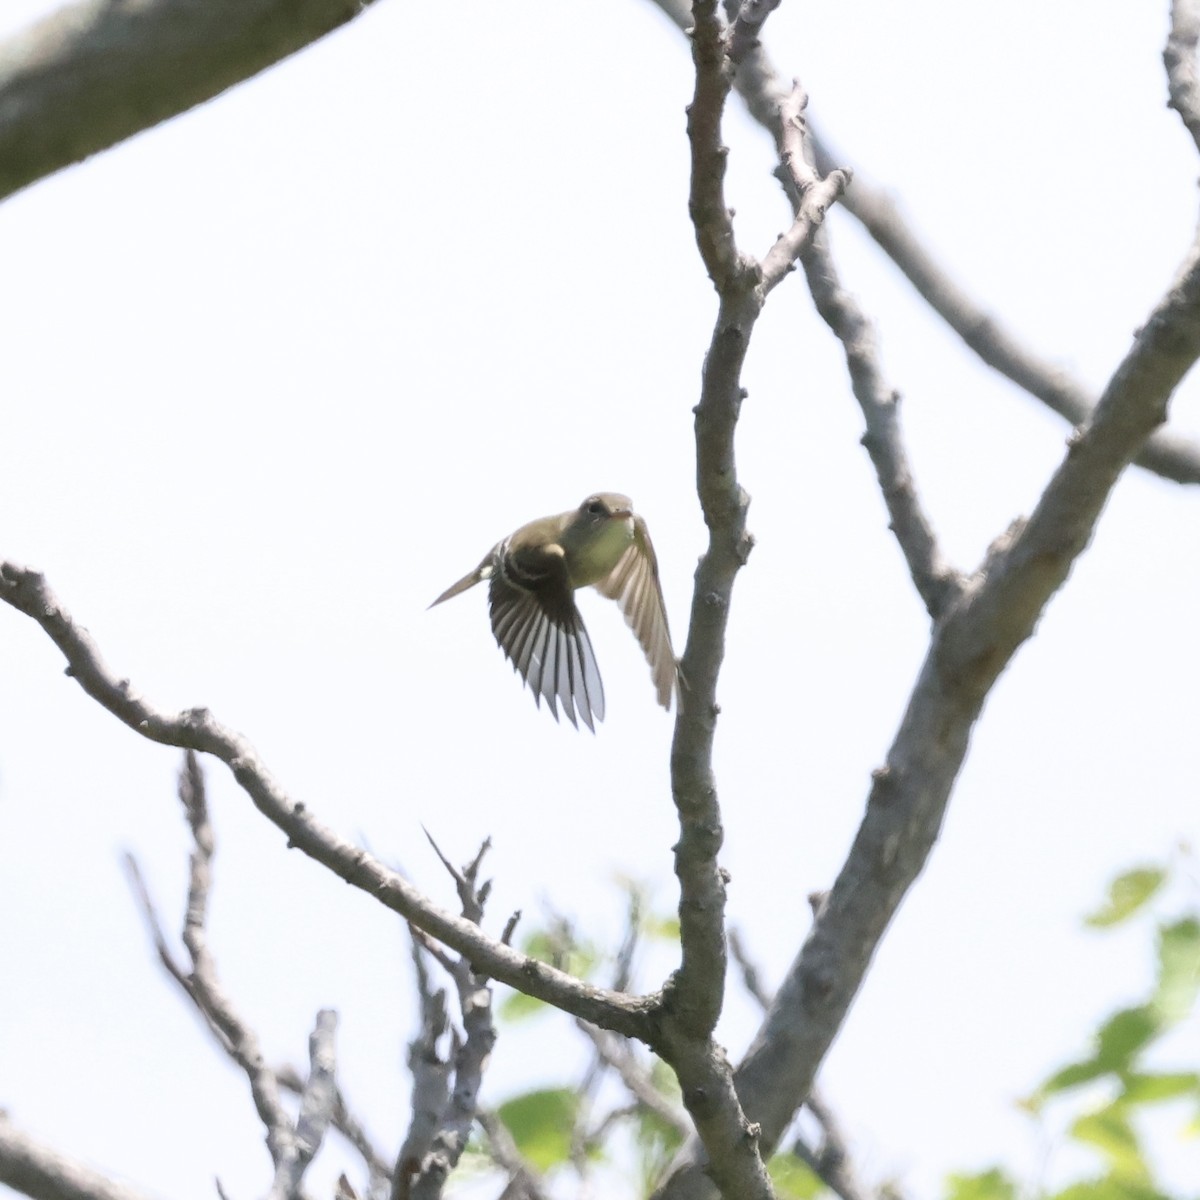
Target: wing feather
[[537, 625], [634, 584]]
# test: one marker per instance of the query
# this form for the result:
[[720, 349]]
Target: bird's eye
[[596, 507]]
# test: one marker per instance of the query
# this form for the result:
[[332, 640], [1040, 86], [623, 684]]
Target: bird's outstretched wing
[[633, 583], [541, 632]]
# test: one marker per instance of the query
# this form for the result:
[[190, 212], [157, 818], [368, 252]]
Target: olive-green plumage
[[533, 574]]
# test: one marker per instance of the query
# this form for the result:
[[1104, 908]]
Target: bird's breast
[[596, 557]]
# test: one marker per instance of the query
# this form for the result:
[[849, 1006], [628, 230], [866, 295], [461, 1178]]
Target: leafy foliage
[[541, 1122], [793, 1179], [1120, 1068], [993, 1184], [1128, 893], [1112, 1086]]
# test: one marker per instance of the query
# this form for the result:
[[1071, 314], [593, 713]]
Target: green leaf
[[662, 928], [1109, 1130], [793, 1179], [541, 1123], [578, 958], [665, 1079], [1126, 1032], [1178, 969], [1109, 1187], [516, 1006], [1126, 894], [1150, 1089], [1118, 1041], [1070, 1076], [993, 1184], [475, 1161], [658, 1143]]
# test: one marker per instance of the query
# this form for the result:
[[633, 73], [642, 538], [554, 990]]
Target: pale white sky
[[280, 370]]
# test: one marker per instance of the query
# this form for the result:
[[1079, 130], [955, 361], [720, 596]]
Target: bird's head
[[597, 535]]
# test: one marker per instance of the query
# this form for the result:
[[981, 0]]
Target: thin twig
[[522, 1176], [292, 1147], [937, 583], [623, 968], [831, 1160], [811, 194], [166, 957], [206, 990], [200, 983], [618, 1055], [751, 977]]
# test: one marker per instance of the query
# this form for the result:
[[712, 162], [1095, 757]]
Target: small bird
[[532, 575]]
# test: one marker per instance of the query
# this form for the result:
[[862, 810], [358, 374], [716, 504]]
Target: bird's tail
[[467, 581]]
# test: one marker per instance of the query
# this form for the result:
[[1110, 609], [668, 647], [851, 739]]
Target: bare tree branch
[[1170, 455], [751, 977], [347, 1125], [96, 72], [1180, 59], [702, 883], [830, 1161], [206, 991], [287, 1077], [471, 899], [292, 1146], [166, 956], [937, 583], [1166, 454], [618, 1055], [979, 626], [197, 729], [430, 1077], [810, 194], [782, 112], [747, 25], [972, 644], [711, 218], [692, 1000], [443, 1118], [318, 1099], [34, 1169], [200, 983]]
